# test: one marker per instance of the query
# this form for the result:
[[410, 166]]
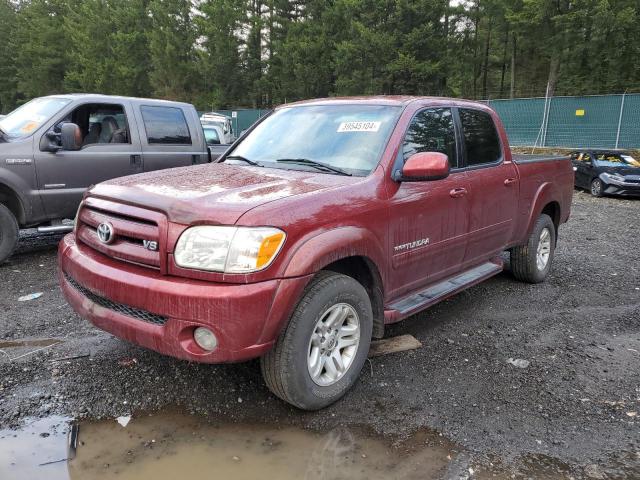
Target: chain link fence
[[595, 121]]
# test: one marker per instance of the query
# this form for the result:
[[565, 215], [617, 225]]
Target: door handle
[[510, 181], [458, 192], [136, 160]]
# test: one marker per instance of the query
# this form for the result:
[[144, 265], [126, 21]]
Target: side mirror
[[425, 166], [71, 136], [50, 142]]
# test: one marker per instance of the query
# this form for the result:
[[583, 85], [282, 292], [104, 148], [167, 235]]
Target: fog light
[[205, 338]]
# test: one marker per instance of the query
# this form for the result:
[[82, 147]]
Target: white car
[[213, 134], [221, 121]]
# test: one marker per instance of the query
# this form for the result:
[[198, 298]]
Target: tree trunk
[[504, 59], [443, 81], [554, 70], [476, 73], [485, 71], [513, 67]]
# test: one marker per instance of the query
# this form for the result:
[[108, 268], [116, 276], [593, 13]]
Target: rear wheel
[[8, 233], [319, 355], [597, 189], [532, 262]]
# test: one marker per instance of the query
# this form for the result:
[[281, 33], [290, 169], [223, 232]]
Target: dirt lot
[[576, 403]]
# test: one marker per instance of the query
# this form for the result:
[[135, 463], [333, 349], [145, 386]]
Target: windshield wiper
[[243, 159], [312, 163]]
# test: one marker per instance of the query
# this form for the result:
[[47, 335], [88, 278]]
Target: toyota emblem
[[105, 232]]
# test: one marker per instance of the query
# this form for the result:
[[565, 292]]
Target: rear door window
[[165, 125], [481, 141], [431, 130]]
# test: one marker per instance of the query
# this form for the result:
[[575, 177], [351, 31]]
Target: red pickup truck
[[326, 221]]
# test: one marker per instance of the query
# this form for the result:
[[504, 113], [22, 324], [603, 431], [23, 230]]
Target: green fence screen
[[598, 121]]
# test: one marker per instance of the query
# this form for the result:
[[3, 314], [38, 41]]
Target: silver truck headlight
[[228, 249]]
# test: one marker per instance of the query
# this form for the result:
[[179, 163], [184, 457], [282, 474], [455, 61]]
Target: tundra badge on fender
[[411, 245]]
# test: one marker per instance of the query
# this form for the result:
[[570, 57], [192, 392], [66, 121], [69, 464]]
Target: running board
[[55, 229], [415, 302]]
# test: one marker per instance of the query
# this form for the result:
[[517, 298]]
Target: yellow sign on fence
[[580, 113]]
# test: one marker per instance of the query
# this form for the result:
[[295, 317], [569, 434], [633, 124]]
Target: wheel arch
[[10, 199], [352, 251], [365, 272], [552, 209], [547, 201]]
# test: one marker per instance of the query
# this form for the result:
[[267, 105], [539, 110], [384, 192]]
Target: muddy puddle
[[11, 350], [173, 446], [47, 342]]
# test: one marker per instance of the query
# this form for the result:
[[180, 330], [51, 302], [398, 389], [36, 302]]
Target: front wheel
[[319, 355], [597, 189], [532, 262]]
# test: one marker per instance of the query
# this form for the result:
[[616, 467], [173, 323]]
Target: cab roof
[[98, 97], [390, 100]]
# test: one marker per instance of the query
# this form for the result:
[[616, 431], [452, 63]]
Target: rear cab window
[[481, 141], [165, 126]]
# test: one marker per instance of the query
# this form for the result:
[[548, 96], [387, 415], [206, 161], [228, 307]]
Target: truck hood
[[214, 193]]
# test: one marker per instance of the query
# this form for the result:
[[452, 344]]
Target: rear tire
[[597, 189], [531, 263], [8, 233], [319, 355]]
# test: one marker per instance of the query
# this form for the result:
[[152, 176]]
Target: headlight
[[616, 177], [228, 249]]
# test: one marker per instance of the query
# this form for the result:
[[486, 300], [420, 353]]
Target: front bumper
[[612, 187], [161, 312]]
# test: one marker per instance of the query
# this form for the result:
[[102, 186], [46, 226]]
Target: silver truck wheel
[[544, 249], [531, 262], [333, 344], [319, 355]]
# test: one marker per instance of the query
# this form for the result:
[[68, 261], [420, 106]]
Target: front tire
[[597, 188], [531, 263], [8, 233], [319, 355]]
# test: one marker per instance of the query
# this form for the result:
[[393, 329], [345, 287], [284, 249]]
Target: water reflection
[[170, 446]]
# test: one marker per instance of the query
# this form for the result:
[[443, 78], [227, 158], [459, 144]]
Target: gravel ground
[[574, 404]]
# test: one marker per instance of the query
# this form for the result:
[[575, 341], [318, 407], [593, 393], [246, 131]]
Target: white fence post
[[620, 118]]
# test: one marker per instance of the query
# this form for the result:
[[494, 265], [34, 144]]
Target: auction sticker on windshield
[[358, 127]]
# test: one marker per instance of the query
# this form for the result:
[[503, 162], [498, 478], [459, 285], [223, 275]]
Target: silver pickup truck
[[53, 148]]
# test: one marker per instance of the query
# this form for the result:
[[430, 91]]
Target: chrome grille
[[129, 233]]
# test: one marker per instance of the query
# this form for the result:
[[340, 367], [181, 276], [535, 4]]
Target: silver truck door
[[111, 148]]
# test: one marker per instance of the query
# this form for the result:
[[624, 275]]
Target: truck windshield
[[29, 117], [349, 137]]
